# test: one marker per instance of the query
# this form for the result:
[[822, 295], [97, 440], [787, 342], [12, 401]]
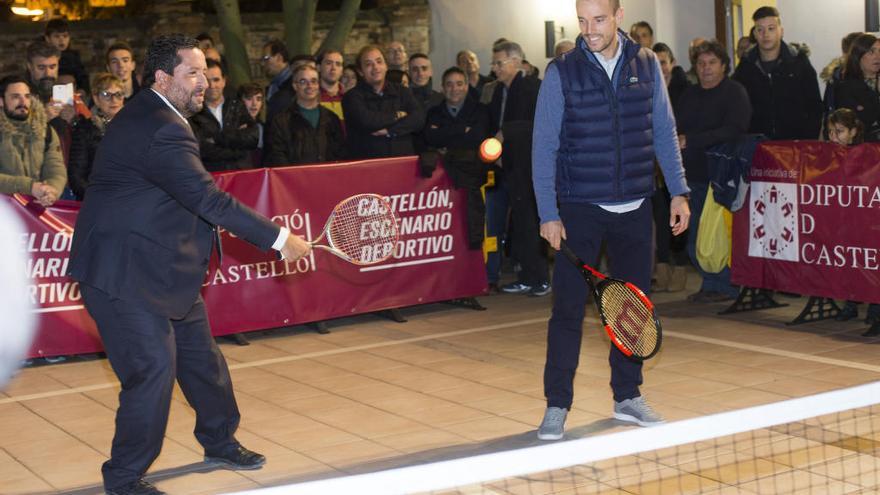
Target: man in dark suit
[[512, 113], [140, 252]]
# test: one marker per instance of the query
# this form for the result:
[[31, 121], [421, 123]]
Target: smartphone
[[63, 93]]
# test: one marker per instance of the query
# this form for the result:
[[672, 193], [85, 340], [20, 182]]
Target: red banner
[[253, 290], [811, 223]]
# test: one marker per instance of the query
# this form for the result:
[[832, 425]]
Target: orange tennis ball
[[490, 150]]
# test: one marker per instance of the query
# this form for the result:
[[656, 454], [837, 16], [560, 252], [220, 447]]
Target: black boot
[[850, 310], [874, 331]]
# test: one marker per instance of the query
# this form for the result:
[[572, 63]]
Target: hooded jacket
[[27, 156]]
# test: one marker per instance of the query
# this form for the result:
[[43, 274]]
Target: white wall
[[475, 24], [680, 21], [821, 25]]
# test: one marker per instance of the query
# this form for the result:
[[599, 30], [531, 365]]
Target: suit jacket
[[146, 228], [518, 121]]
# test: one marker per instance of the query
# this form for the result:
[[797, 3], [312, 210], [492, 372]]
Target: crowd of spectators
[[383, 103]]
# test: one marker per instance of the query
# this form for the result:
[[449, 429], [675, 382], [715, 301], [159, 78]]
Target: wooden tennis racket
[[626, 312], [361, 230]]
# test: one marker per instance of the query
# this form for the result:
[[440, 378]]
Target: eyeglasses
[[118, 95], [306, 82], [500, 63], [265, 58]]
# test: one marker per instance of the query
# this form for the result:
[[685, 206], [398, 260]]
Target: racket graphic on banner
[[626, 312], [361, 230]]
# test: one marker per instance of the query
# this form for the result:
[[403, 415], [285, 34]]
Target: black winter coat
[[228, 148], [85, 137], [461, 136], [295, 141], [786, 103], [367, 112], [519, 118], [856, 95]]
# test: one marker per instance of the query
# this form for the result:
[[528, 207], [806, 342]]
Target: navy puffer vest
[[606, 146]]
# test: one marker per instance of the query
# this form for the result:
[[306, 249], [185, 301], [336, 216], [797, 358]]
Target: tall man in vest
[[602, 115]]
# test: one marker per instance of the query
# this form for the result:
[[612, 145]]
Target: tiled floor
[[450, 382]]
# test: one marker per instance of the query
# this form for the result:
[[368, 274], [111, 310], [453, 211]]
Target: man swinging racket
[[140, 252], [602, 115]]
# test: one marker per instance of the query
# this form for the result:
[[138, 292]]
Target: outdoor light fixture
[[26, 8]]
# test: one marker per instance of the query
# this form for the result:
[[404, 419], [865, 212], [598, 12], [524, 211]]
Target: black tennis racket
[[626, 312]]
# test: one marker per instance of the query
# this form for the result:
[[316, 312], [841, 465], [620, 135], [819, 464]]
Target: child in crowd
[[845, 128]]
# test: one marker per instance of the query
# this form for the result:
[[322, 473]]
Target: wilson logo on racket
[[361, 229], [626, 312]]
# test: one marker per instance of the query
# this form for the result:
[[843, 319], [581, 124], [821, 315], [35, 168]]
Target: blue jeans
[[712, 282], [497, 204], [630, 252]]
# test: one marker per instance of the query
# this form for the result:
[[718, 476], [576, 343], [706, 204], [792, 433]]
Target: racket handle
[[570, 254]]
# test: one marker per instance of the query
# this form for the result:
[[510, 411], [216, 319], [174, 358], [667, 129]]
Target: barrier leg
[[752, 299], [467, 302], [817, 309]]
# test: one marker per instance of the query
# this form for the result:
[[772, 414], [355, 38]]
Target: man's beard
[[184, 102], [14, 116]]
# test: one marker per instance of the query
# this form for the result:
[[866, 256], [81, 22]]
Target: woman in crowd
[[672, 259], [108, 96], [858, 90], [712, 112], [349, 77], [845, 128], [252, 96]]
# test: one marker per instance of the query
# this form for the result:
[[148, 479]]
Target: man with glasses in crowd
[[307, 132]]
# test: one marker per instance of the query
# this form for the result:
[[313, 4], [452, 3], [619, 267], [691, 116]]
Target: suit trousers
[[629, 248], [148, 352], [529, 248]]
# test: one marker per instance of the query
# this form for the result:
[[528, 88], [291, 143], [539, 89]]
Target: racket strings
[[363, 228], [632, 322]]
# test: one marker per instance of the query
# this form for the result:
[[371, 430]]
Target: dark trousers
[[628, 238], [147, 353], [528, 247]]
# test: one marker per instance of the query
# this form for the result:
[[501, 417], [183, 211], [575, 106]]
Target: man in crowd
[[331, 65], [380, 116], [467, 61], [285, 96], [121, 63], [457, 126], [421, 73], [306, 132], [226, 132], [42, 74], [142, 243], [585, 135], [58, 35], [30, 153], [396, 54], [643, 34], [275, 64], [562, 47], [781, 83], [512, 113]]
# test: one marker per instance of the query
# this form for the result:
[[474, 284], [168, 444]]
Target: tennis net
[[822, 444]]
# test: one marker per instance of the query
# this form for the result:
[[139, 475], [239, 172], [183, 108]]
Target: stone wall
[[406, 20]]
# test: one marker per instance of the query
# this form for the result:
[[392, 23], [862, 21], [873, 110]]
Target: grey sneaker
[[637, 410], [553, 424]]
